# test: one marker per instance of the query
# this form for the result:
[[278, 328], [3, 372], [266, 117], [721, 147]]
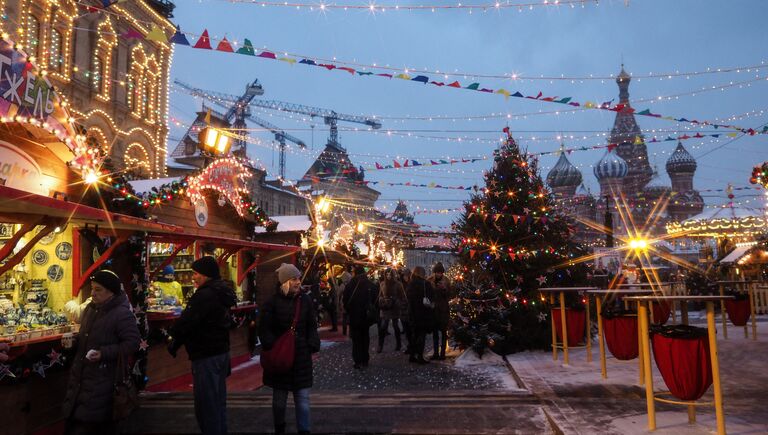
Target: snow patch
[[491, 365]]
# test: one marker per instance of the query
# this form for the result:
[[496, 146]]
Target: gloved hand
[[172, 348]]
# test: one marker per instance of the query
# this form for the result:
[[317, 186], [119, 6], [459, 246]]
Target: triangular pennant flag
[[364, 73], [247, 48], [433, 162], [179, 38], [638, 140], [444, 162], [504, 92], [268, 55], [517, 94], [328, 66], [473, 86], [489, 90], [455, 84], [225, 46], [348, 69], [385, 75], [406, 164], [437, 83], [378, 166], [415, 163], [563, 100], [156, 34], [307, 61], [403, 76], [132, 34], [397, 165], [644, 112], [204, 42], [287, 60], [422, 79]]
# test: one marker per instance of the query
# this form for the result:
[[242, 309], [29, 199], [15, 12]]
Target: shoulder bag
[[427, 301], [125, 396], [279, 359]]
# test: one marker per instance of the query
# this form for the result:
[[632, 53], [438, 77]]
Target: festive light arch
[[102, 59], [136, 157]]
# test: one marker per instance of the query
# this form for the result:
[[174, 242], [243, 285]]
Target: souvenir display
[[48, 238], [55, 273], [39, 257], [6, 231], [64, 251]]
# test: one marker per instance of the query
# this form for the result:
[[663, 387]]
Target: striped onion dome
[[681, 161], [564, 174], [611, 166]]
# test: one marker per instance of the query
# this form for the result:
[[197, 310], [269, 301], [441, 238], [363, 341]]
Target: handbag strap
[[296, 312], [121, 374]]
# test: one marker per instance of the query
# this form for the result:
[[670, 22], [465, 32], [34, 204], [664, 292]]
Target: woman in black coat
[[108, 331], [277, 317], [422, 317]]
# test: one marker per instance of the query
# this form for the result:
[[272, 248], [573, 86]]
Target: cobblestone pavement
[[390, 396]]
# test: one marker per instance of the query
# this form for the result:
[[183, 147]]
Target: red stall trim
[[11, 244], [81, 278], [243, 273], [16, 259]]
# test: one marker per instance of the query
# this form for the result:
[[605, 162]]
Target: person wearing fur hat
[[277, 316], [108, 332], [203, 329], [442, 287]]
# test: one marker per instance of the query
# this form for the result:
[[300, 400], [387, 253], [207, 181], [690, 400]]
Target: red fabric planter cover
[[684, 364], [621, 336], [738, 311], [576, 319], [661, 312]]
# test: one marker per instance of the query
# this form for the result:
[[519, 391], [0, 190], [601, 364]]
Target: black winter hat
[[109, 280], [438, 268], [207, 266]]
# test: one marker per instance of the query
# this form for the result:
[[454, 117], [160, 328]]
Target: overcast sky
[[649, 36]]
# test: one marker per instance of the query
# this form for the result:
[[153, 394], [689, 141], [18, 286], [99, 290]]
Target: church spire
[[623, 80]]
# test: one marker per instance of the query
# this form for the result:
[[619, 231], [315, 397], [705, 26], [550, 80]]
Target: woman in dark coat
[[420, 293], [442, 286], [277, 317], [390, 302], [108, 331]]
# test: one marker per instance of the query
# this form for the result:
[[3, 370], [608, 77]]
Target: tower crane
[[330, 117], [238, 110]]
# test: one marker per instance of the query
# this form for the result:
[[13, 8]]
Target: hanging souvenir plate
[[48, 239], [55, 273], [39, 257], [64, 251]]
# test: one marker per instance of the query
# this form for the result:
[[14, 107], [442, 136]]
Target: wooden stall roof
[[19, 206]]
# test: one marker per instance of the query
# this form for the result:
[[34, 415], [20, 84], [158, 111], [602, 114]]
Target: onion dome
[[681, 161], [564, 174], [611, 166]]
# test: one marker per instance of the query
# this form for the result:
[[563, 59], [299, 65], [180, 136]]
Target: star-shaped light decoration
[[527, 210], [39, 368], [5, 370], [55, 358], [541, 279], [143, 345], [519, 279]]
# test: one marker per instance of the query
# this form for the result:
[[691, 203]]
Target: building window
[[130, 96], [55, 60], [97, 75], [33, 35]]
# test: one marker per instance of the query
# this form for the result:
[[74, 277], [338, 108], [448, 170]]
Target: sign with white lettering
[[26, 96], [19, 170]]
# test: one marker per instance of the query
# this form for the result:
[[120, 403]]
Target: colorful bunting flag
[[204, 42]]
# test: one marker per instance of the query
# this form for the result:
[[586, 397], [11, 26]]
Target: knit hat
[[207, 266], [287, 272], [169, 270], [109, 280], [438, 268]]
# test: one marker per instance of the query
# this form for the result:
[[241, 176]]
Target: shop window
[[33, 35], [55, 59], [97, 75]]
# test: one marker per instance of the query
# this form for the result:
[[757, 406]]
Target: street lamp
[[638, 244], [214, 141]]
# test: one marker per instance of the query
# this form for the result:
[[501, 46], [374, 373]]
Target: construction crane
[[238, 110]]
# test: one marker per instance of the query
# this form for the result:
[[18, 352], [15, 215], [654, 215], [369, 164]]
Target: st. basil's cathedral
[[626, 177]]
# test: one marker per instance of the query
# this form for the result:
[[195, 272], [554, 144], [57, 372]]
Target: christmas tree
[[510, 243]]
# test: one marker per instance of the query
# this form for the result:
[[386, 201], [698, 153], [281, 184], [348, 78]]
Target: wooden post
[[642, 314], [598, 304], [715, 368], [565, 328], [589, 331], [554, 330], [722, 312], [640, 362]]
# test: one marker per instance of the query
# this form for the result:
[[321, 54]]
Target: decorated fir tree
[[510, 243]]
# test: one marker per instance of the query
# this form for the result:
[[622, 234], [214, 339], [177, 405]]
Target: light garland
[[722, 227], [373, 7], [227, 176]]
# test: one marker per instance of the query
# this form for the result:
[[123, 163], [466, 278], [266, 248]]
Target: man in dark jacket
[[358, 295], [204, 329], [421, 299]]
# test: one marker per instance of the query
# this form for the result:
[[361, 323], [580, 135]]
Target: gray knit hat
[[286, 272]]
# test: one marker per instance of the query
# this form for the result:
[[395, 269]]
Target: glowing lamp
[[638, 244], [214, 141], [91, 178]]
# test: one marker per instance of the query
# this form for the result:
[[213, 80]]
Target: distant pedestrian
[[203, 329], [391, 299], [405, 318], [422, 313], [442, 287], [358, 295], [277, 317], [108, 332]]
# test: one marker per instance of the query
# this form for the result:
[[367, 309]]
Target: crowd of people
[[412, 304]]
